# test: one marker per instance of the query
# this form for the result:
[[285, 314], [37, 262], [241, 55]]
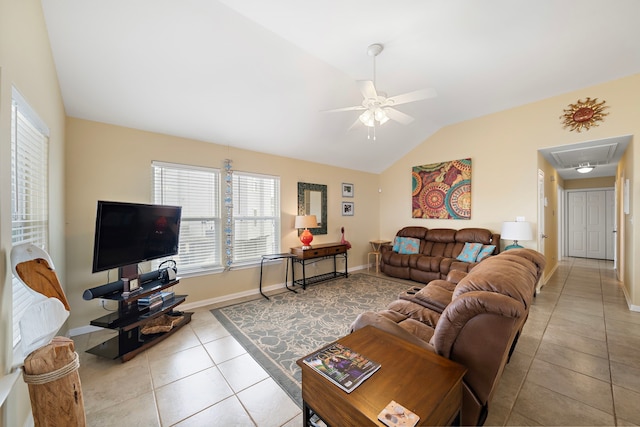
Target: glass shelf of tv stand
[[136, 316], [145, 289], [128, 319], [126, 345]]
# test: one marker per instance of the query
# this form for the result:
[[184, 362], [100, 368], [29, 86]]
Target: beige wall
[[107, 162], [579, 184], [26, 63], [627, 248], [503, 148], [551, 226]]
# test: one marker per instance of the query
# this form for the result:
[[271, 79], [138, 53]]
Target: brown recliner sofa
[[437, 256], [478, 326]]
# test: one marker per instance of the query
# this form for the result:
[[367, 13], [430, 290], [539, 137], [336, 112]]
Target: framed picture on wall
[[347, 208], [347, 189]]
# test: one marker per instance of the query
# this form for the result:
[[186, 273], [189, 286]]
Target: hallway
[[578, 359]]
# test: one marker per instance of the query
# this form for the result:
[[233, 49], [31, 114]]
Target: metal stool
[[377, 255]]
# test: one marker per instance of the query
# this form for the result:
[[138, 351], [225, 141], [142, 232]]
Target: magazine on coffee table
[[344, 367]]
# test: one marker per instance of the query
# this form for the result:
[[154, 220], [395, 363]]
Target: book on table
[[344, 367]]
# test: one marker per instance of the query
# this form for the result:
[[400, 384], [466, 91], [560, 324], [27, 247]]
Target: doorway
[[590, 223]]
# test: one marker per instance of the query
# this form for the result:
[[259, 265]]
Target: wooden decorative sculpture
[[51, 365], [51, 373]]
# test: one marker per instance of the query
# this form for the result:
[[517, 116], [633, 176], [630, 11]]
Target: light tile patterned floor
[[577, 363]]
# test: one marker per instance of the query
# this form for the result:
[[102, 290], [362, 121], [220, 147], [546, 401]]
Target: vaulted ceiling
[[258, 74]]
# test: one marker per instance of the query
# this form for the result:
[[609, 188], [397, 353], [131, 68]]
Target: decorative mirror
[[312, 200]]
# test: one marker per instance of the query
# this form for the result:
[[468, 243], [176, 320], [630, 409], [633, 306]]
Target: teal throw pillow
[[408, 245], [396, 244], [485, 252], [470, 252]]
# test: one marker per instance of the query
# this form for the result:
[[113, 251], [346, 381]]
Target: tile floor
[[577, 363]]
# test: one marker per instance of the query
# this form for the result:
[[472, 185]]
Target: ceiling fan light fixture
[[380, 115], [584, 168], [367, 118]]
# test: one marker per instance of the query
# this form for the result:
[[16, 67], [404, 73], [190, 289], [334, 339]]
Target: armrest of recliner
[[455, 276], [383, 323]]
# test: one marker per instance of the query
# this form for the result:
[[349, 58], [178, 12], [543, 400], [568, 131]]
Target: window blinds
[[256, 216], [29, 191], [197, 190]]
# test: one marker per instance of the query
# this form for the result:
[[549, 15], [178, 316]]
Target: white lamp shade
[[306, 221], [516, 230]]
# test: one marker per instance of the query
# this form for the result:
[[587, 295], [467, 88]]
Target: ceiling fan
[[377, 107]]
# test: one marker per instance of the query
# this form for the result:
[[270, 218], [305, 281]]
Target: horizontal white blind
[[256, 216], [197, 190], [29, 191]]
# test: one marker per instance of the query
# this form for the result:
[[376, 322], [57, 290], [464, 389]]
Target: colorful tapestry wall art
[[442, 190]]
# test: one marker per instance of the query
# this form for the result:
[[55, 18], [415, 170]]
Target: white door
[[596, 225], [589, 233], [577, 224]]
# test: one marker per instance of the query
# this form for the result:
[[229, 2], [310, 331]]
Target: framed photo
[[347, 208], [347, 189]]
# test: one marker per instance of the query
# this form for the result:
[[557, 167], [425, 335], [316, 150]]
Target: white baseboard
[[631, 306], [243, 294]]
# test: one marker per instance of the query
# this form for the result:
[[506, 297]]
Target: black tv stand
[[129, 318]]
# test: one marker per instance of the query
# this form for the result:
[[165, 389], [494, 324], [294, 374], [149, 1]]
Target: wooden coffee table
[[419, 380]]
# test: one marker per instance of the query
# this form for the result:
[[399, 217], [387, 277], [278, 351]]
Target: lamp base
[[306, 237], [514, 246]]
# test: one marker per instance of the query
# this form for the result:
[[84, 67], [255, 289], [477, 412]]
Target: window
[[256, 216], [29, 191], [197, 190]]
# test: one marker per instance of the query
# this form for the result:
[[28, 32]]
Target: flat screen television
[[129, 233]]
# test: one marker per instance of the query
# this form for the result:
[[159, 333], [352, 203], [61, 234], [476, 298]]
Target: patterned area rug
[[280, 331]]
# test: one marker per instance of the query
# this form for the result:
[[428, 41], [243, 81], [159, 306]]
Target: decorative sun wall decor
[[442, 190], [584, 114]]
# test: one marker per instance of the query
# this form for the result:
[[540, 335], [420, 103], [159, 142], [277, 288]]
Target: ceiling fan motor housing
[[374, 49]]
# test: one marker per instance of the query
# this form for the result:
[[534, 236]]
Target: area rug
[[279, 331]]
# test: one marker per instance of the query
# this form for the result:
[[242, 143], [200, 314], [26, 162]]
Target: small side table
[[271, 257], [375, 245]]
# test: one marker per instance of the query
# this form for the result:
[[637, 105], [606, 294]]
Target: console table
[[418, 379], [314, 254]]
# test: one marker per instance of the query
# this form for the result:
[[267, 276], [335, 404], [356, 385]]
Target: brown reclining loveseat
[[478, 325]]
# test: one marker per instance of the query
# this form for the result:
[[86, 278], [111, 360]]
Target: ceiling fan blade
[[417, 95], [356, 108], [368, 89], [398, 116], [355, 124]]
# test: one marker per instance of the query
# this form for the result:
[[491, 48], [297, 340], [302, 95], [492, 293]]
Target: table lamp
[[306, 222], [516, 230]]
